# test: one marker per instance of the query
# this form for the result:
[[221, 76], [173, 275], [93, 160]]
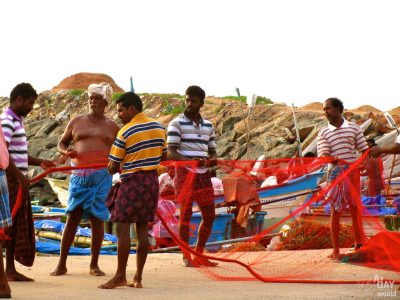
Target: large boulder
[[229, 123], [281, 151]]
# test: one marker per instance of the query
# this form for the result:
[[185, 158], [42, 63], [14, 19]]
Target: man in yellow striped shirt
[[136, 153]]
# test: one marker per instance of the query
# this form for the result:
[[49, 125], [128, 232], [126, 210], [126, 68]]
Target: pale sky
[[291, 51]]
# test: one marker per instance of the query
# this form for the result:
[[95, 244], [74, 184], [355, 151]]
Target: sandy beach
[[165, 278]]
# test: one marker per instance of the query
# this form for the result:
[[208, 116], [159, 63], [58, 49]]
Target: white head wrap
[[103, 89]]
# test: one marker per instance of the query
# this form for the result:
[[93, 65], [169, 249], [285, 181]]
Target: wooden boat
[[277, 201], [281, 200], [50, 213], [60, 187], [372, 223]]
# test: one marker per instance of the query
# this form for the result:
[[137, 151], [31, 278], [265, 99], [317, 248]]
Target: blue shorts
[[5, 214], [90, 191]]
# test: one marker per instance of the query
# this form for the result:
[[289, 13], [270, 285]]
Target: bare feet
[[136, 283], [5, 294], [59, 271], [201, 261], [334, 256], [113, 283], [96, 272], [197, 262], [5, 291], [186, 262], [15, 276]]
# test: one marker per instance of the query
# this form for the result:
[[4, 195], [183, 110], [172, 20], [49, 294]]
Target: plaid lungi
[[22, 231], [342, 194], [135, 199], [193, 187], [5, 214]]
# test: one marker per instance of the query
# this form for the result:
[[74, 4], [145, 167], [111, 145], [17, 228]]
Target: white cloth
[[103, 89], [258, 166], [270, 181], [217, 186], [166, 184]]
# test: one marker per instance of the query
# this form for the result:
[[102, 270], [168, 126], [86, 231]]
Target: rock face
[[81, 81], [268, 129]]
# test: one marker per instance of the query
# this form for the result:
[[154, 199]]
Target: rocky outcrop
[[268, 129], [81, 81]]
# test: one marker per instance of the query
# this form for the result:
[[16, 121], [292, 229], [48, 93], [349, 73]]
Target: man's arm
[[388, 149], [64, 142], [173, 153], [113, 167], [43, 163], [212, 154], [164, 156]]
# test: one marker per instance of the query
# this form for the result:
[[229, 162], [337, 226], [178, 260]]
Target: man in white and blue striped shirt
[[191, 137]]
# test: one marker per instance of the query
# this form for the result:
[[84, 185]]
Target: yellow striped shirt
[[139, 145]]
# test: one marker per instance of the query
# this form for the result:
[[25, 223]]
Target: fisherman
[[92, 136], [191, 137], [138, 149], [22, 244], [5, 214], [342, 140]]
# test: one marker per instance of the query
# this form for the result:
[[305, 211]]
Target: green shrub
[[260, 99], [116, 95], [162, 96], [169, 109], [236, 98], [76, 92], [263, 100]]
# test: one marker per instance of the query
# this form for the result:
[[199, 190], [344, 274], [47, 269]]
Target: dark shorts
[[193, 187], [135, 199]]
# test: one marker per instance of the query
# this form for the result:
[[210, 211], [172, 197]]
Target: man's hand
[[71, 153], [335, 161], [113, 167], [201, 162], [212, 162], [375, 151], [46, 164]]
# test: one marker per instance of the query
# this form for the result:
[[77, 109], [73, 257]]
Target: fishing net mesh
[[270, 220]]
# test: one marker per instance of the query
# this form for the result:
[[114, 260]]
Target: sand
[[165, 278]]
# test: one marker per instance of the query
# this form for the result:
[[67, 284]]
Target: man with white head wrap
[[91, 136], [103, 89]]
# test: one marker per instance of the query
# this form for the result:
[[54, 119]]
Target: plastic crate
[[221, 229], [255, 223]]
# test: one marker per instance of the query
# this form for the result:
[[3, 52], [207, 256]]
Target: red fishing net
[[271, 220]]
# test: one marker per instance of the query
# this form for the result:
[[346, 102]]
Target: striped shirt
[[192, 141], [342, 142], [139, 145], [14, 134]]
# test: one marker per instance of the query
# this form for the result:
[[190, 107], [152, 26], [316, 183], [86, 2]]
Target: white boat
[[60, 187], [281, 200]]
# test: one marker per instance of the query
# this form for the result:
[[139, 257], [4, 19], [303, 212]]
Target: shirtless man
[[92, 136]]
